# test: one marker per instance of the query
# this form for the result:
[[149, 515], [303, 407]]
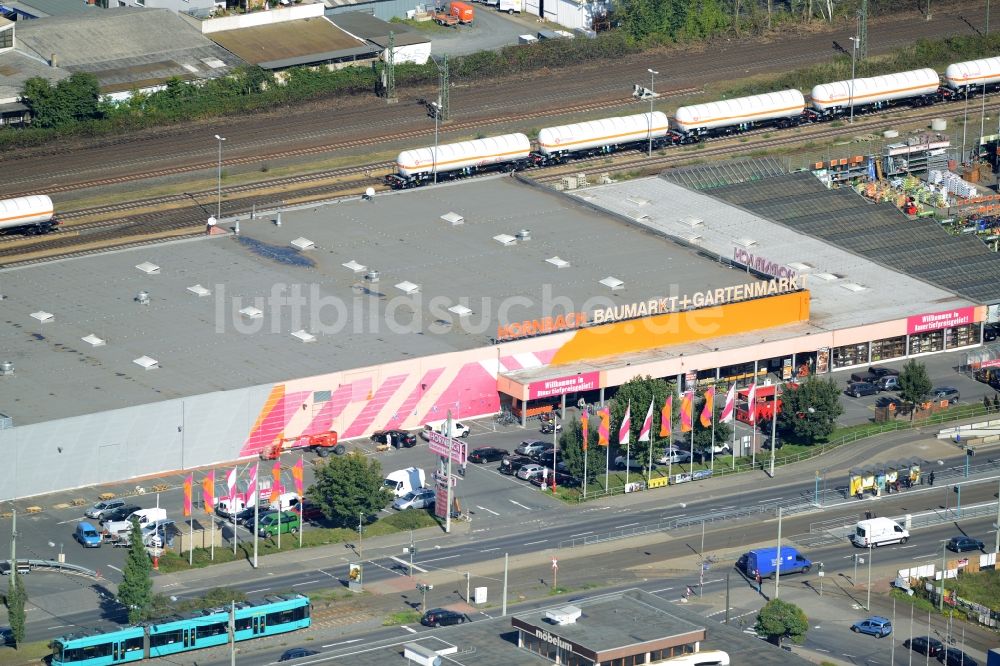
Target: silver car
[[672, 455], [530, 471], [415, 499], [101, 508]]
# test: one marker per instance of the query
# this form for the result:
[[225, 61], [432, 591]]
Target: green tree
[[810, 412], [703, 434], [72, 99], [638, 392], [136, 589], [571, 445], [348, 486], [779, 619], [914, 384], [17, 596]]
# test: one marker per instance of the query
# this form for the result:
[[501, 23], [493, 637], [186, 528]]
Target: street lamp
[[774, 425], [555, 447], [652, 96], [423, 587], [436, 112], [218, 214], [854, 55]]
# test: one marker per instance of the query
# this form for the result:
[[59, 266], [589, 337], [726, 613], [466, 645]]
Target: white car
[[672, 455], [529, 471], [458, 429]]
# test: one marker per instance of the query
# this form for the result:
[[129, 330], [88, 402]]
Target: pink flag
[[297, 475], [752, 404], [728, 410], [252, 484], [231, 484], [623, 432], [687, 411], [647, 425]]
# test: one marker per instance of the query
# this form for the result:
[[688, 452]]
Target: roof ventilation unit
[[354, 267], [200, 291], [693, 221], [250, 312], [147, 363], [613, 283], [303, 243], [454, 219], [746, 242], [557, 262], [43, 316], [304, 336], [638, 201], [372, 276], [94, 341], [854, 286], [148, 268], [142, 298], [460, 310], [505, 239], [422, 656], [6, 369], [564, 615], [523, 235], [408, 288]]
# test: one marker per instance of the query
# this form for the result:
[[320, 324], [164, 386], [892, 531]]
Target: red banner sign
[[585, 381], [935, 321]]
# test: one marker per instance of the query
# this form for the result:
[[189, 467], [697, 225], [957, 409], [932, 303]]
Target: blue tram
[[272, 615]]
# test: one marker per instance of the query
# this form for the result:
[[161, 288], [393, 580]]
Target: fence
[[25, 566]]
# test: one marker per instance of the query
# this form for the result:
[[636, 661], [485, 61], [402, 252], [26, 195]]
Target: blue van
[[764, 562], [87, 535]]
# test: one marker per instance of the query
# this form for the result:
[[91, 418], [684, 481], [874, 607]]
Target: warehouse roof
[[203, 344], [17, 67], [876, 231], [366, 26], [290, 43], [46, 8], [126, 48]]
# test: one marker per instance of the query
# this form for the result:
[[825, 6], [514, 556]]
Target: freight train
[[29, 215], [691, 124]]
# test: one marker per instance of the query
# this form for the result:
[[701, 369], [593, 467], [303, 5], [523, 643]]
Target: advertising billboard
[[584, 381], [448, 447], [935, 321]]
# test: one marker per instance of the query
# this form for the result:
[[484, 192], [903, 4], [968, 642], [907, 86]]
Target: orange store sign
[[530, 327]]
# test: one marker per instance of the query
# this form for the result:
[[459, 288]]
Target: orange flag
[[208, 492], [667, 416], [604, 428], [297, 475], [687, 411], [708, 412], [276, 483], [188, 483], [585, 422]]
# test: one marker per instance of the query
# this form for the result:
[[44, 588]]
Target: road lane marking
[[519, 504], [115, 568], [409, 629], [489, 550], [912, 545], [263, 589], [326, 573], [924, 557], [483, 508], [407, 564], [446, 557], [306, 582], [58, 626], [621, 527], [533, 543], [665, 589], [353, 640], [581, 534]]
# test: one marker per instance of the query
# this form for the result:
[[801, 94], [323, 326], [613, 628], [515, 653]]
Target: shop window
[[850, 355], [961, 336], [927, 342], [889, 348]]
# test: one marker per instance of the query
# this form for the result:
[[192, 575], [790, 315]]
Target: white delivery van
[[510, 6], [144, 516], [403, 481], [285, 502], [877, 532]]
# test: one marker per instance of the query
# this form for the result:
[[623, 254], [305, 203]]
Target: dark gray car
[[858, 389], [948, 393]]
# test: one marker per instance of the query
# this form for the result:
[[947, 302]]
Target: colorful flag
[[667, 417], [752, 404], [730, 407], [297, 475], [252, 484], [208, 492], [604, 427], [188, 488], [687, 411], [231, 483], [585, 422], [647, 425], [708, 412], [276, 483], [624, 432]]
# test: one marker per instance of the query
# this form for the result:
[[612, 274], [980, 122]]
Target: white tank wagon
[[603, 135], [32, 214], [465, 157], [917, 87], [780, 108], [969, 77]]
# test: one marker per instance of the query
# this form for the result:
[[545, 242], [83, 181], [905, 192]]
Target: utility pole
[[13, 545], [468, 584], [868, 604], [863, 30], [944, 566], [503, 603], [445, 86], [360, 545], [727, 596], [996, 544], [777, 569], [389, 73]]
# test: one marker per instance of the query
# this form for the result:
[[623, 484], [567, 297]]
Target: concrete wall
[[382, 9], [178, 6]]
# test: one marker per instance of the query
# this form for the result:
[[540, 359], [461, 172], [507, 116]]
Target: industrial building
[[364, 315]]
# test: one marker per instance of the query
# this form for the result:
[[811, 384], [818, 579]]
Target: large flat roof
[[203, 344], [305, 40]]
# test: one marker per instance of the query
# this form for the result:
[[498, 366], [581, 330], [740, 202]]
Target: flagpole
[[733, 451], [628, 441], [712, 464], [302, 508], [586, 454], [256, 512], [211, 511], [607, 465]]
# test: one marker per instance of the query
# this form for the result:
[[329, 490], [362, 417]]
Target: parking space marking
[[483, 508], [409, 629], [407, 564], [330, 645], [528, 508]]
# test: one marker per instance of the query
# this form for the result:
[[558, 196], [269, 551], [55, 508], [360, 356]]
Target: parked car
[[562, 479], [872, 374], [858, 389], [87, 535], [485, 454], [960, 544], [886, 400], [245, 517], [121, 513], [766, 443], [532, 446], [955, 657], [441, 617], [672, 455], [703, 455], [307, 510], [924, 645], [98, 510], [511, 464], [633, 464], [529, 471], [296, 653], [6, 636], [458, 429], [396, 438], [415, 499], [273, 523], [948, 393], [888, 383], [991, 332], [548, 427], [545, 455], [877, 626]]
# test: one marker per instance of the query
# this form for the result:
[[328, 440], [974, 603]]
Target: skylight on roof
[[692, 221], [43, 316], [148, 268], [612, 282], [557, 262], [801, 266], [251, 312], [694, 238], [199, 291], [460, 310], [829, 277], [408, 287], [303, 243], [638, 201], [354, 267], [147, 363], [304, 336], [745, 242], [454, 219], [854, 286], [505, 239], [93, 340]]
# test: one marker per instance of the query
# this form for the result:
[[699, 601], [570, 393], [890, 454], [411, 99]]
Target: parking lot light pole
[[854, 56], [868, 604], [218, 213], [996, 543], [436, 111], [944, 566], [652, 96]]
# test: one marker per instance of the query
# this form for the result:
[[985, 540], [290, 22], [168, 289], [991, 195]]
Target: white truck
[[876, 532], [121, 529], [509, 6], [403, 481]]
